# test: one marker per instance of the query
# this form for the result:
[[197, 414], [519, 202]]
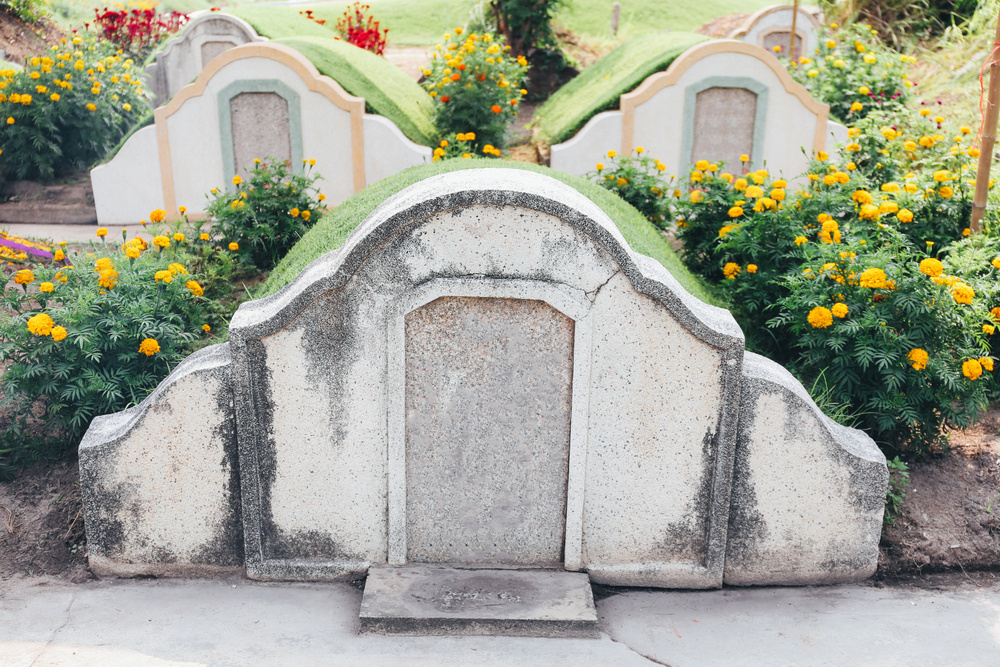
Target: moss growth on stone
[[599, 86], [334, 228]]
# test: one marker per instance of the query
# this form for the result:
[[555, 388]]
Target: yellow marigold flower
[[962, 293], [107, 278], [777, 194], [740, 185], [972, 369], [918, 358], [799, 240], [179, 237], [600, 166], [41, 324], [612, 154], [725, 230], [744, 158], [101, 232], [735, 211], [862, 197], [891, 186], [59, 333], [624, 181], [946, 192], [820, 317], [942, 175], [91, 106], [731, 270], [751, 268], [177, 269], [697, 176], [765, 203], [237, 179], [24, 276], [873, 278], [857, 106], [839, 310], [640, 149], [161, 241], [149, 347], [989, 329], [887, 207], [701, 165], [868, 212], [163, 276], [206, 328], [132, 252], [158, 215], [103, 263], [696, 196], [59, 255], [986, 363], [203, 237], [822, 156], [911, 188], [931, 267], [910, 145], [995, 314], [754, 191], [46, 287], [195, 288], [925, 141], [967, 232], [234, 246], [829, 179], [54, 97], [973, 152], [850, 166]]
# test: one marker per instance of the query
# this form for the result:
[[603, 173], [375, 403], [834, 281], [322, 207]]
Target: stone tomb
[[483, 376], [256, 100], [185, 56], [772, 26], [717, 101]]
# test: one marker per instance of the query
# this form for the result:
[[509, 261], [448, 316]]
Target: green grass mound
[[277, 22], [334, 228], [387, 90], [599, 86]]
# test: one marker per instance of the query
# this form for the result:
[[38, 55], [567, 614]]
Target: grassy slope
[[387, 90], [277, 22], [422, 23], [334, 228], [74, 13], [599, 86]]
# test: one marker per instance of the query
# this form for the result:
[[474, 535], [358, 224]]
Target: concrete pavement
[[238, 622]]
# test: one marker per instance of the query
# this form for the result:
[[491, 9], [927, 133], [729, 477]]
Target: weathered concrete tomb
[[484, 376]]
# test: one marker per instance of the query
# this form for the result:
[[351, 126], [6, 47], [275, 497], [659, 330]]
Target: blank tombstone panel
[[780, 38], [260, 129], [488, 393], [210, 50], [724, 125]]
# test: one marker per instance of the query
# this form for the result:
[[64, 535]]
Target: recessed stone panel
[[261, 129], [488, 387], [780, 38], [210, 50], [724, 125]]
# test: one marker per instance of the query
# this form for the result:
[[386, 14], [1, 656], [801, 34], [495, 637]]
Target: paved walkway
[[237, 622]]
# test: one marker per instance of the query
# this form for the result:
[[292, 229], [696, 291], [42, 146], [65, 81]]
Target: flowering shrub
[[65, 110], [361, 29], [137, 29], [89, 334], [853, 73], [29, 11], [266, 215], [476, 85], [638, 180], [463, 145], [864, 274]]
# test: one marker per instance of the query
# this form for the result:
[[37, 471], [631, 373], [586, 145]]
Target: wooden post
[[987, 140], [791, 39], [616, 10]]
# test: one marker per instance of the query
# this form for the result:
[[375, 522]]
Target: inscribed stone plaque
[[210, 50], [780, 38], [488, 392], [724, 125], [260, 129]]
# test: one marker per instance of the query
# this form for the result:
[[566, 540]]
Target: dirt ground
[[19, 40]]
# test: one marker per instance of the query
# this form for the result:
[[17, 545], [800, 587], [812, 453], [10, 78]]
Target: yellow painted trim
[[657, 82], [285, 55], [747, 26]]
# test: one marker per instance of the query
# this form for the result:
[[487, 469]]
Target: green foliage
[[593, 17], [85, 359], [853, 72], [638, 180], [476, 86], [599, 86], [899, 20], [29, 11], [387, 90], [331, 232], [525, 24], [268, 214], [899, 481], [64, 110]]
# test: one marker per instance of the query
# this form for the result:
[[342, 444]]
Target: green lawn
[[599, 86], [334, 228]]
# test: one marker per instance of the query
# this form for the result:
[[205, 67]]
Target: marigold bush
[[93, 333], [267, 214], [66, 109], [476, 85], [639, 180]]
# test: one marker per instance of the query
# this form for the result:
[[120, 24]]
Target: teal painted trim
[[759, 121], [226, 119]]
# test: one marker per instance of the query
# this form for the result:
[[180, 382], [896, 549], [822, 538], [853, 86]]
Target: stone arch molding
[[776, 21], [659, 114], [371, 430], [189, 148]]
